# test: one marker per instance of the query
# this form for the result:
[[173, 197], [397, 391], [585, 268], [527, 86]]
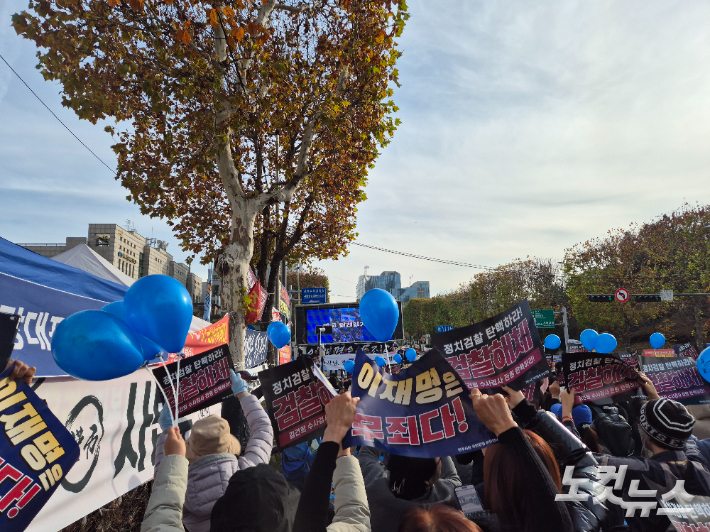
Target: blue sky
[[526, 127]]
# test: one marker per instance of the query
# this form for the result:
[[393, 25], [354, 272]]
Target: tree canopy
[[199, 91]]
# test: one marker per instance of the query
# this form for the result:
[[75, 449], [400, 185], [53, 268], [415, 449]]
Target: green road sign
[[544, 318]]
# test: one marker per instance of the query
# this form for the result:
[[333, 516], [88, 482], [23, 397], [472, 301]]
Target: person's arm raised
[[312, 513]]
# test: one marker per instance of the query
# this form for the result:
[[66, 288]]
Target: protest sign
[[295, 401], [659, 353], [676, 378], [115, 424], [256, 348], [36, 453], [377, 348], [204, 380], [596, 376], [502, 350], [687, 515], [632, 359], [335, 362], [285, 355], [686, 350], [255, 343], [424, 411]]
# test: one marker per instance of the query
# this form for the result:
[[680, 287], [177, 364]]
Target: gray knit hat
[[667, 422]]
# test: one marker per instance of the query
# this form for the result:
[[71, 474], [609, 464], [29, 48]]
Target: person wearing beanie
[[581, 425], [213, 454], [669, 455], [404, 483]]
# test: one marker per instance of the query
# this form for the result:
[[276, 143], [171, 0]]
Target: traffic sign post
[[544, 318], [621, 295], [310, 296], [444, 328], [666, 295]]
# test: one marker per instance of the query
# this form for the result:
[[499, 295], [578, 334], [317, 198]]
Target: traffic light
[[648, 298], [600, 298]]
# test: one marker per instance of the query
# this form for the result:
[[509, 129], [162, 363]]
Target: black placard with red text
[[423, 411], [676, 378], [295, 400], [502, 350], [597, 377], [204, 380]]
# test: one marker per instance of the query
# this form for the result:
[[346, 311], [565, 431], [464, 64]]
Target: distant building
[[388, 281], [194, 287], [121, 247], [179, 271], [130, 252], [391, 282], [420, 290]]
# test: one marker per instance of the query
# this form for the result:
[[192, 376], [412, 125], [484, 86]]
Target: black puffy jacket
[[589, 515]]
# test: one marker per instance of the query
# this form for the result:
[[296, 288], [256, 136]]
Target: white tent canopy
[[85, 258]]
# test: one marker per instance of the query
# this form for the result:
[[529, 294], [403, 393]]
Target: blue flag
[[36, 453], [423, 411]]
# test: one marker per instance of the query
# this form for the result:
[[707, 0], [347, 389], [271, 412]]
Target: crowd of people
[[556, 467]]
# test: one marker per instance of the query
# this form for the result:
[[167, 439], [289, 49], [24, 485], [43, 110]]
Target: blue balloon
[[397, 358], [278, 334], [703, 364], [589, 339], [150, 349], [159, 308], [116, 308], [552, 341], [606, 343], [349, 366], [411, 354], [379, 314], [96, 346], [380, 361], [657, 340]]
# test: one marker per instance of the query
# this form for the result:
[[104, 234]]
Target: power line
[[421, 257], [55, 116]]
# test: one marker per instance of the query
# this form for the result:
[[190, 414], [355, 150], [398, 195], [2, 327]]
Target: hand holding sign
[[21, 371], [493, 411], [648, 387], [340, 414]]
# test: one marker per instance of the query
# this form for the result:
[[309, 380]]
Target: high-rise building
[[420, 290], [391, 282]]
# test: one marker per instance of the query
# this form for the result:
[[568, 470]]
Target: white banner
[[116, 425], [335, 362]]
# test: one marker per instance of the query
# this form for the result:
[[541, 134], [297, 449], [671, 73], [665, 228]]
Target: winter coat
[[209, 475], [386, 509], [352, 513], [589, 515], [164, 511]]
